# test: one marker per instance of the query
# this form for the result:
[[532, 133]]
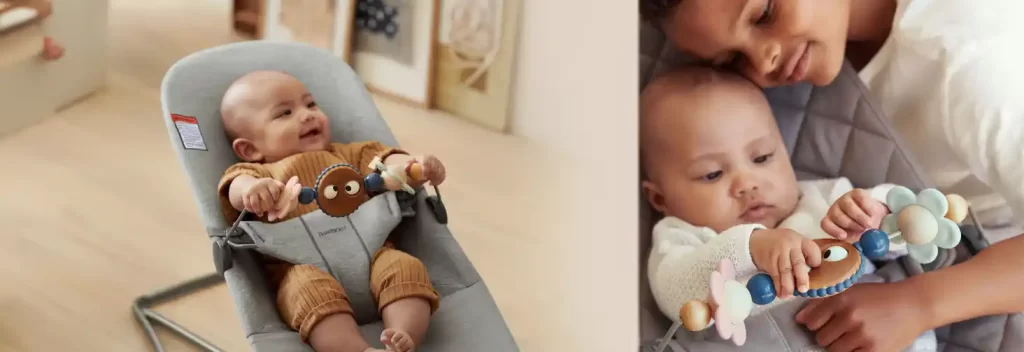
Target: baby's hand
[[854, 212], [265, 195], [786, 256], [433, 169], [288, 200]]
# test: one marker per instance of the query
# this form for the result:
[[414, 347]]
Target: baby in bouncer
[[284, 140], [716, 166]]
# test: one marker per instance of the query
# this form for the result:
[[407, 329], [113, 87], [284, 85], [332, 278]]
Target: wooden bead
[[695, 315], [957, 208], [415, 171], [918, 224]]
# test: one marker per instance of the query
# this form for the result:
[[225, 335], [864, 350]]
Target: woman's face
[[772, 42]]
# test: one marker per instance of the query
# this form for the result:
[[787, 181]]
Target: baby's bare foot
[[397, 341], [371, 349]]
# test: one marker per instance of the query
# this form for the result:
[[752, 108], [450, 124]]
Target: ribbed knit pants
[[306, 294]]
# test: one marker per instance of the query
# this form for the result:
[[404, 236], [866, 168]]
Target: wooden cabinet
[[31, 88]]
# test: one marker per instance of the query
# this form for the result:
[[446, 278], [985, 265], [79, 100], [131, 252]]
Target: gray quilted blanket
[[830, 131]]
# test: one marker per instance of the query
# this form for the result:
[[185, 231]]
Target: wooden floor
[[95, 212]]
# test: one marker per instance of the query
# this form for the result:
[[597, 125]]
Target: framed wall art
[[246, 17], [475, 60], [326, 24], [393, 48]]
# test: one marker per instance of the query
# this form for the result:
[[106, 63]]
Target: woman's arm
[[984, 125], [952, 294]]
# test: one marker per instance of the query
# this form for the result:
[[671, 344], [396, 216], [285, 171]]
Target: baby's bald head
[[269, 115], [244, 97], [683, 102], [710, 150]]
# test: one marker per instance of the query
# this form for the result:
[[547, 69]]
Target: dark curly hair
[[655, 11]]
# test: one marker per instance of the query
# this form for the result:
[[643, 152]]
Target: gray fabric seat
[[830, 131], [467, 320]]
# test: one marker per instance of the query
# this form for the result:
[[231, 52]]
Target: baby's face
[[281, 118], [721, 161]]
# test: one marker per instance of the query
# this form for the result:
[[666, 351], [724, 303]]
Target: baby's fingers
[[254, 204], [266, 198], [811, 252], [275, 190], [292, 182], [776, 278], [785, 283], [853, 210], [843, 221], [800, 269], [291, 199], [832, 229], [246, 204], [280, 209]]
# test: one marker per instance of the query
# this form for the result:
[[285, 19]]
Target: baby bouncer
[[832, 131], [467, 319]]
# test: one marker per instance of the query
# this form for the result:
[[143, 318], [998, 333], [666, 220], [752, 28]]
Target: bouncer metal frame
[[143, 306]]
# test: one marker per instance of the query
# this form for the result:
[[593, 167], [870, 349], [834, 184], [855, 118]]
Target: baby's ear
[[246, 150], [654, 195]]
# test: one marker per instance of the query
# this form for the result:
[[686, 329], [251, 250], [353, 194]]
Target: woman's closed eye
[[765, 16], [734, 58]]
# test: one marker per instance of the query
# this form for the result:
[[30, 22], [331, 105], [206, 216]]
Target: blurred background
[[96, 211]]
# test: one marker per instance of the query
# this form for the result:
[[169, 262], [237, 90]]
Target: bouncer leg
[[146, 316]]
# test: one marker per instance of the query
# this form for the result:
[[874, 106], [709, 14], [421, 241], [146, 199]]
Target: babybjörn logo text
[[332, 230]]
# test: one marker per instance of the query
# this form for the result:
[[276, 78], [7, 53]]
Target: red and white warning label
[[188, 131]]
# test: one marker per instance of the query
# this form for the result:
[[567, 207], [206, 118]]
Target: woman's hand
[[852, 214], [868, 317]]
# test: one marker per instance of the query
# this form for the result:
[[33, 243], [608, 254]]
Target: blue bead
[[374, 183], [307, 195], [762, 289], [831, 290], [874, 244]]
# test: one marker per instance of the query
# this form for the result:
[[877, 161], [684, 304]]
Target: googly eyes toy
[[340, 190]]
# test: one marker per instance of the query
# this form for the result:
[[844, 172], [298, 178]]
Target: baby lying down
[[715, 165], [276, 127]]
